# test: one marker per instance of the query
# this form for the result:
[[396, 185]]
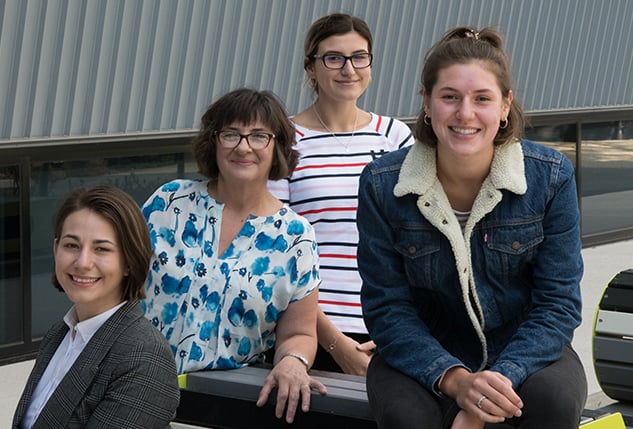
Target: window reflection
[[607, 176], [52, 181], [11, 316]]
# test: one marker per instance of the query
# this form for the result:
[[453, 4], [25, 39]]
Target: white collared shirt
[[78, 335]]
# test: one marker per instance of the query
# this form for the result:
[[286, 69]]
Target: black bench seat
[[226, 399]]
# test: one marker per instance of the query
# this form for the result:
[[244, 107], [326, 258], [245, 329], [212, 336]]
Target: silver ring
[[481, 400]]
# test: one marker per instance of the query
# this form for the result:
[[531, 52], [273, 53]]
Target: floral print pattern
[[220, 311]]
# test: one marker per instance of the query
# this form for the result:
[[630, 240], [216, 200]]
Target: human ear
[[425, 100], [508, 103]]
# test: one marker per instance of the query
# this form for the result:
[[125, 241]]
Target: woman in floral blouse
[[234, 271]]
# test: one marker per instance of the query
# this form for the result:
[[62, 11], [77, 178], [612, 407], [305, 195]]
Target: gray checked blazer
[[124, 378]]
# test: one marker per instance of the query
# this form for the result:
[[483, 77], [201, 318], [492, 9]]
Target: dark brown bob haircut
[[462, 45], [246, 106], [124, 214], [333, 24]]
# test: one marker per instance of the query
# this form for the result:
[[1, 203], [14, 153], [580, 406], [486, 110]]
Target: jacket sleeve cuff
[[438, 381], [514, 372]]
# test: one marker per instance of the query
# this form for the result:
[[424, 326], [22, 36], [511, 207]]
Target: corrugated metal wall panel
[[93, 67]]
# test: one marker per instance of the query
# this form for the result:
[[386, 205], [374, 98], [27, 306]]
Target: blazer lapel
[[51, 341], [73, 387]]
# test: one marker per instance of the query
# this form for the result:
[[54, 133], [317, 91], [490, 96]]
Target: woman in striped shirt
[[335, 140]]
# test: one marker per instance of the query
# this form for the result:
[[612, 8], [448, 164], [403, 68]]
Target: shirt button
[[411, 250], [516, 245]]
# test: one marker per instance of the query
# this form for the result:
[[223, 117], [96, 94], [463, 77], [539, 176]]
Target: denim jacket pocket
[[512, 247], [420, 251], [510, 251]]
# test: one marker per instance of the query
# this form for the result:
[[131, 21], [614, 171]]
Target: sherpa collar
[[418, 172]]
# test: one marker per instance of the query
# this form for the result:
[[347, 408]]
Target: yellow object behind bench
[[612, 421], [182, 381]]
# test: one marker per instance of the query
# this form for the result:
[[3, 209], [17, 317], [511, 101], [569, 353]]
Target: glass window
[[52, 181], [607, 176], [11, 315]]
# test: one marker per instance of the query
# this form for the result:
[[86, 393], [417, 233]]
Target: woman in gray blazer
[[104, 364]]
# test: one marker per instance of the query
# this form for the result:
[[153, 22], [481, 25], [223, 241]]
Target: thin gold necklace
[[346, 146]]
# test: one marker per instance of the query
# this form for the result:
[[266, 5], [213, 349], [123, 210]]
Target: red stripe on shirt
[[356, 164], [329, 209], [378, 123], [336, 255]]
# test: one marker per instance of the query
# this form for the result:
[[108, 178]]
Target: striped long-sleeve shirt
[[324, 189]]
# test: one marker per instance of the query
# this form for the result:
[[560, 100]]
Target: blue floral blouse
[[220, 311]]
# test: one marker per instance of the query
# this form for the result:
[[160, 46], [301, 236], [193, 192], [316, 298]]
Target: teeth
[[83, 280], [465, 130]]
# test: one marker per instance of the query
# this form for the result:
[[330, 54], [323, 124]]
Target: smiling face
[[348, 83], [242, 163], [89, 264], [465, 108]]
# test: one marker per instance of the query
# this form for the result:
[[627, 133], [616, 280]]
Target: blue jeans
[[553, 397]]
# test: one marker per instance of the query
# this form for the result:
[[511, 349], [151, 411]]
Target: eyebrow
[[265, 130], [477, 91], [76, 238], [360, 51]]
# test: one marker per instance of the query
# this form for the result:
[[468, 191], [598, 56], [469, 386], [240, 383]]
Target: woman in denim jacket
[[470, 256]]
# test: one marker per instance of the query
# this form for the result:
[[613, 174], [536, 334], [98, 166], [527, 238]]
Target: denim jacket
[[503, 294]]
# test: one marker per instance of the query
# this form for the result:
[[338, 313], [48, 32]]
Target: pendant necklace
[[346, 146]]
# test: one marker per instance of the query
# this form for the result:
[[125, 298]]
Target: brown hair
[[246, 106], [124, 214], [462, 45], [332, 25]]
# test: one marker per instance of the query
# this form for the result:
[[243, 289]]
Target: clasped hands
[[483, 397]]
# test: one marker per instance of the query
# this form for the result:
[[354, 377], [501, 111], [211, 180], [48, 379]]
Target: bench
[[613, 338], [613, 344], [225, 399]]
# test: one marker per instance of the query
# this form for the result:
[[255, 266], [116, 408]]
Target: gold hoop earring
[[503, 124], [426, 120]]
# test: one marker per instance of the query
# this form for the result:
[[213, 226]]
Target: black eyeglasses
[[257, 140], [338, 61]]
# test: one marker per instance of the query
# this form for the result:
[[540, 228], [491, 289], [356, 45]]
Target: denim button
[[516, 245], [411, 250]]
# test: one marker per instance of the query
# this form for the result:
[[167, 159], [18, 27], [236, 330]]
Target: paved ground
[[601, 264]]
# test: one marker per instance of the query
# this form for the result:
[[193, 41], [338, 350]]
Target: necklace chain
[[346, 146]]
